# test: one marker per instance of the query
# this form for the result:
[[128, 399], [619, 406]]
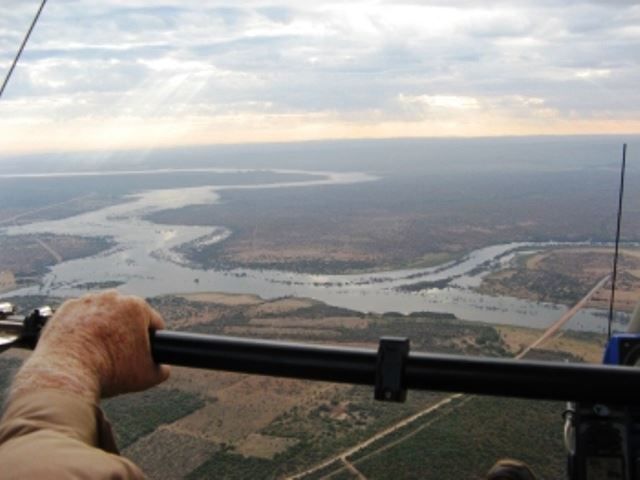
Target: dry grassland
[[227, 299], [246, 407], [517, 338], [203, 382], [589, 351], [280, 305], [207, 316], [326, 322], [281, 332]]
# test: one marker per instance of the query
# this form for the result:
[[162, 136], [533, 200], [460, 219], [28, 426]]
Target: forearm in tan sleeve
[[53, 434]]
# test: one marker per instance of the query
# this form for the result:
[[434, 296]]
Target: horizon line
[[18, 154]]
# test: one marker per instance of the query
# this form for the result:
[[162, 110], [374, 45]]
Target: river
[[146, 262]]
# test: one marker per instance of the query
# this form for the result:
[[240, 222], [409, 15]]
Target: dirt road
[[377, 436], [548, 334], [50, 249], [353, 470], [42, 209]]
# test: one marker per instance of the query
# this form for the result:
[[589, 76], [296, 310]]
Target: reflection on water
[[147, 263]]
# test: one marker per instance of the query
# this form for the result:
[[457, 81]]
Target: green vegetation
[[465, 443], [403, 433], [322, 310], [433, 334], [425, 285], [586, 337], [101, 285], [139, 414], [324, 471], [231, 466], [433, 315]]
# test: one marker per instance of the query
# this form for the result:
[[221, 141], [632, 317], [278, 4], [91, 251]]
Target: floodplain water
[[146, 262]]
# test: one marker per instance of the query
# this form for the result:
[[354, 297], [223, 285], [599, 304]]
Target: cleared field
[[264, 446], [245, 407], [228, 299]]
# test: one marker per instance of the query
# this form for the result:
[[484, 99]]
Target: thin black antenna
[[24, 43], [615, 255]]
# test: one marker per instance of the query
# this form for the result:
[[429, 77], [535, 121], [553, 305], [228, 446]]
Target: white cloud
[[367, 64], [441, 102], [593, 73]]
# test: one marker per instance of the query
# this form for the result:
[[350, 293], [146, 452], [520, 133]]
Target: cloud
[[441, 102], [365, 66]]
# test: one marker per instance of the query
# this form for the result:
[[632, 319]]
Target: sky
[[118, 74]]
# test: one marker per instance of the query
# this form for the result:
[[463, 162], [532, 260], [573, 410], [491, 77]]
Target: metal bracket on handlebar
[[390, 368], [33, 325], [10, 328], [16, 330]]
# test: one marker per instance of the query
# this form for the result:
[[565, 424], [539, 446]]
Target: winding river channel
[[146, 262]]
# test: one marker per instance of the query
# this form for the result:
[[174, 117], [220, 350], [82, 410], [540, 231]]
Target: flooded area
[[146, 261]]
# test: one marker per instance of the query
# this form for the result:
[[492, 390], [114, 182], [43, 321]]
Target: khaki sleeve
[[52, 434]]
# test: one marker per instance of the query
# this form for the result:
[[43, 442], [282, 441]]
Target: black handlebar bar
[[392, 369], [422, 371]]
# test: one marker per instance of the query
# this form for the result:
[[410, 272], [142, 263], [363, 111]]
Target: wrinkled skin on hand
[[96, 346]]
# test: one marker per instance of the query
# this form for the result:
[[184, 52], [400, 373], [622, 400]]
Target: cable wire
[[615, 255], [20, 50]]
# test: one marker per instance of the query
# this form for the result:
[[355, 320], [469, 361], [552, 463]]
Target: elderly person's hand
[[95, 346]]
